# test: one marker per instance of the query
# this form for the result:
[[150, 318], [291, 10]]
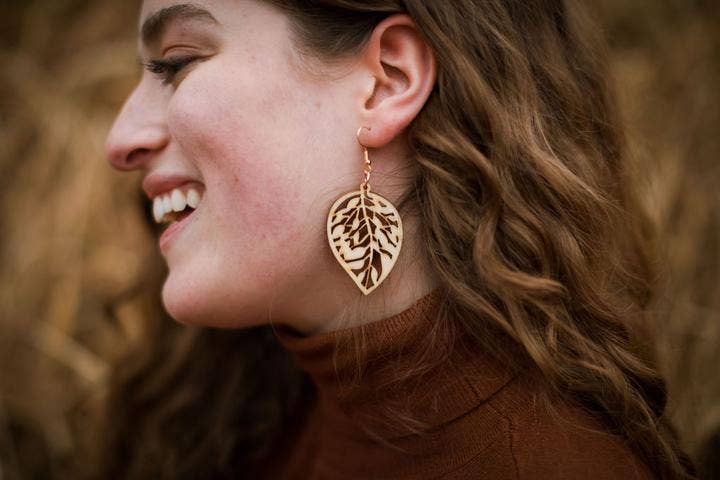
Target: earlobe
[[403, 67]]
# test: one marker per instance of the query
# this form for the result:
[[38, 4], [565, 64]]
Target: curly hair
[[528, 215]]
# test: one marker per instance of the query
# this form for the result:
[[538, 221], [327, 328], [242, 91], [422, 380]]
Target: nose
[[139, 131]]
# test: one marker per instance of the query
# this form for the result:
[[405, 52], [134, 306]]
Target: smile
[[175, 204]]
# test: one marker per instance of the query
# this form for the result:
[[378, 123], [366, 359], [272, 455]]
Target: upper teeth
[[175, 201]]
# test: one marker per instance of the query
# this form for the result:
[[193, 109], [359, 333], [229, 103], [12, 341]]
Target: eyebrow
[[155, 25]]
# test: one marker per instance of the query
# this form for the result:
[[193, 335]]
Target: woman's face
[[228, 112]]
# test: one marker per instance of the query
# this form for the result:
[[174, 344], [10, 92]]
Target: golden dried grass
[[71, 242]]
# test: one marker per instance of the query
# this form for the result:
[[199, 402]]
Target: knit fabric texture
[[470, 417]]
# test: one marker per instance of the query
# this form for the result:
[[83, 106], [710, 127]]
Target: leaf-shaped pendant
[[365, 234]]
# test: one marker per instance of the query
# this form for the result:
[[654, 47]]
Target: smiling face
[[223, 110], [245, 147]]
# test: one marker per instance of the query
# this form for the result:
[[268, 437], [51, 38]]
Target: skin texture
[[271, 139]]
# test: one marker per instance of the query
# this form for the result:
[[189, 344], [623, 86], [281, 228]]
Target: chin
[[183, 305], [190, 304]]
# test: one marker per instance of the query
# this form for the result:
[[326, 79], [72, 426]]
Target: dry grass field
[[74, 240]]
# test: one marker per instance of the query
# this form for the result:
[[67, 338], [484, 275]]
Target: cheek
[[261, 178]]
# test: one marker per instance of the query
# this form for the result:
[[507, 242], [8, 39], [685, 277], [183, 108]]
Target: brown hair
[[529, 218]]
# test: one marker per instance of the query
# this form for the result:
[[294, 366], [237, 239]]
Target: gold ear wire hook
[[365, 185]]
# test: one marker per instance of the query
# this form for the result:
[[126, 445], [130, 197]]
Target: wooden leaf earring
[[365, 232]]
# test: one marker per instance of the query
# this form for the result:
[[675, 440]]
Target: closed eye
[[168, 69]]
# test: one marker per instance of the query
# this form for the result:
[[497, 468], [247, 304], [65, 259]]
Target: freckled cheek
[[252, 181], [264, 212]]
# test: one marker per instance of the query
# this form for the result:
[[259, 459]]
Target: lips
[[175, 199], [156, 184], [173, 196], [176, 226]]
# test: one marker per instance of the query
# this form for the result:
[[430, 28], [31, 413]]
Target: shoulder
[[532, 441]]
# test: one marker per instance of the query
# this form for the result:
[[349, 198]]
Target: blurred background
[[73, 247]]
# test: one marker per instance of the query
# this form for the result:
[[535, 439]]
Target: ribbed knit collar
[[405, 341]]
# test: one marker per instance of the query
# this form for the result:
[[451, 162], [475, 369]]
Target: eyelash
[[168, 69]]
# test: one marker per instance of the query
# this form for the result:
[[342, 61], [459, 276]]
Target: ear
[[403, 68]]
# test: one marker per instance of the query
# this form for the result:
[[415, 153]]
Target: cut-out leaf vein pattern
[[365, 234]]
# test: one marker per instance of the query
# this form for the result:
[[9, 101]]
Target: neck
[[337, 303]]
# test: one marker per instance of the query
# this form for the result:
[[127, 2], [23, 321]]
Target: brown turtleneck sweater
[[482, 421]]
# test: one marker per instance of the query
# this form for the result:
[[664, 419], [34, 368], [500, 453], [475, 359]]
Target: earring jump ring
[[357, 135]]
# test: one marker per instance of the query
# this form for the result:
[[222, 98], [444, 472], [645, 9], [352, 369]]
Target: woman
[[417, 219]]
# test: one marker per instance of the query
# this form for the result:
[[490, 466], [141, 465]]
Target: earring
[[365, 232]]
